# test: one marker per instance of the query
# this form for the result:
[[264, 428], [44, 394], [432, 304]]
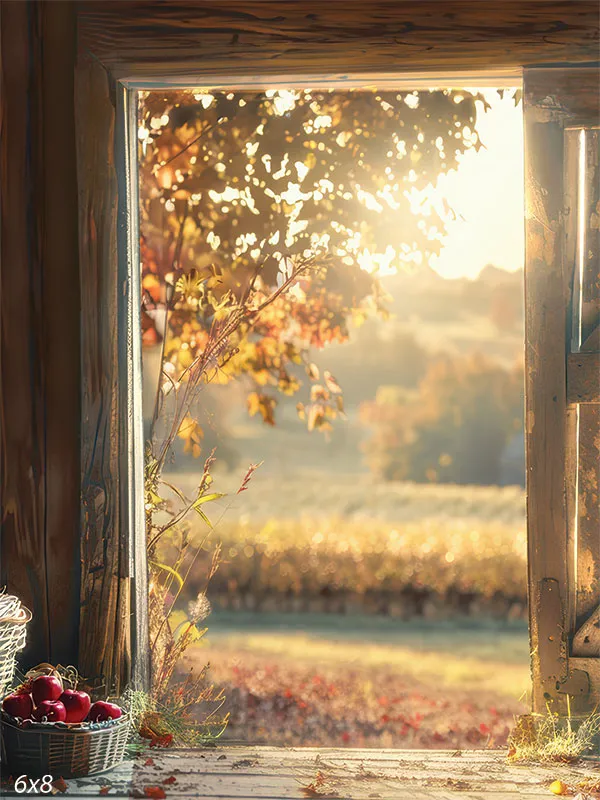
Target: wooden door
[[562, 285]]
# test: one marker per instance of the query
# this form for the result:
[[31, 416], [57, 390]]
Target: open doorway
[[370, 243]]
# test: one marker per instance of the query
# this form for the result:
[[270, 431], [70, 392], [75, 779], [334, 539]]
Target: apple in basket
[[102, 711], [77, 704], [46, 687], [52, 710], [18, 705]]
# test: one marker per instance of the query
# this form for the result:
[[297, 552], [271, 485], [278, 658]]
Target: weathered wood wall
[[105, 654], [39, 315], [562, 437], [143, 39]]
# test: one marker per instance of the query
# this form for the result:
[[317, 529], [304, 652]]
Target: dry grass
[[546, 739]]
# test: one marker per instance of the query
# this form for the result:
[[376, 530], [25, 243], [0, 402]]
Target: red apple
[[46, 687], [53, 710], [101, 711], [77, 704], [18, 705]]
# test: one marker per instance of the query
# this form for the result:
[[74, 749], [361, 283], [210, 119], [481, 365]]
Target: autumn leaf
[[60, 785], [331, 383], [165, 740], [155, 792], [171, 779], [191, 433], [262, 404], [320, 787], [312, 371]]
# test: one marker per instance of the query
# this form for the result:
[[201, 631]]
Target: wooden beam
[[545, 376], [105, 652], [189, 41], [583, 377], [39, 310]]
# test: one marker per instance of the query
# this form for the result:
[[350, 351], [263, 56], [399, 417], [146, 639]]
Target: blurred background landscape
[[372, 581], [353, 607]]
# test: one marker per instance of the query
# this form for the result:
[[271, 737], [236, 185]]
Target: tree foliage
[[237, 187], [453, 429]]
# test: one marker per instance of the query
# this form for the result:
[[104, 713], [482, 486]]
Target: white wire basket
[[13, 631]]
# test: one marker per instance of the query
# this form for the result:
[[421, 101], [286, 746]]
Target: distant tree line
[[454, 427]]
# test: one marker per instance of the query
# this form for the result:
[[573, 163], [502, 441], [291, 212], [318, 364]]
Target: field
[[352, 546], [429, 645], [363, 682]]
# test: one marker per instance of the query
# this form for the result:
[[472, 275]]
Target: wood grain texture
[[105, 657], [588, 517], [147, 39], [272, 773], [546, 292], [583, 377], [563, 445], [40, 378]]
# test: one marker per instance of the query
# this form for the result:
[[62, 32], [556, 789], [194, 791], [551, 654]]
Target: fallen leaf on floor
[[104, 790], [155, 792], [244, 762], [169, 780], [320, 787], [166, 740], [60, 785], [149, 762], [559, 787]]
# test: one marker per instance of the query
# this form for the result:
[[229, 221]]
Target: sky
[[486, 192]]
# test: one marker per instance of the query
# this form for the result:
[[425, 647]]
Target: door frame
[[116, 46]]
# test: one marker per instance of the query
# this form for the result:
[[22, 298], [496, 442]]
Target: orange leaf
[[169, 780], [162, 741], [155, 792], [60, 785]]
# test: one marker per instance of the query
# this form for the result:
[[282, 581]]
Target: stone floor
[[268, 773]]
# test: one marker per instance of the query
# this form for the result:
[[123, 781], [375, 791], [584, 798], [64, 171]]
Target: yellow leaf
[[191, 433]]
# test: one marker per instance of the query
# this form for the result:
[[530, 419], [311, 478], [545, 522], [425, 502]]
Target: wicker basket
[[63, 750], [13, 628]]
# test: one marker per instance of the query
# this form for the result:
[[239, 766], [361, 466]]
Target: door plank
[[545, 377], [40, 355], [104, 656], [195, 39]]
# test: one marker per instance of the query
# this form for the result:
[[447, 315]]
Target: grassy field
[[321, 680], [348, 545], [303, 542], [289, 493]]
